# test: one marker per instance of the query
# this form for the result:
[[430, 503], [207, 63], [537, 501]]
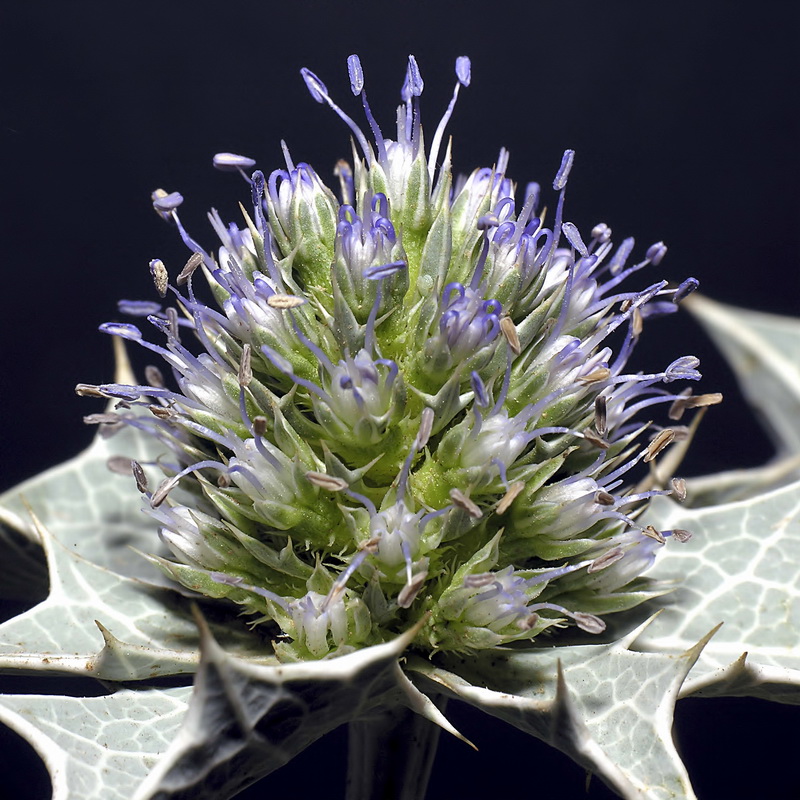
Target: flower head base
[[405, 403]]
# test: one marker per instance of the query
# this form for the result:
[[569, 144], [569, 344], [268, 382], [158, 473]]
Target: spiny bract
[[405, 405]]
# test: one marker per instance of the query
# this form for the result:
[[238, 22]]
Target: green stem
[[391, 754]]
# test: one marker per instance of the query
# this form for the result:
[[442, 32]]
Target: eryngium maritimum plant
[[408, 402]]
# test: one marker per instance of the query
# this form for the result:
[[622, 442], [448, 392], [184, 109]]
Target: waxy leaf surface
[[98, 748], [607, 706], [742, 569], [763, 351], [146, 632]]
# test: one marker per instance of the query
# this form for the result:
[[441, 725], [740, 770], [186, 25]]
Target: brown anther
[[681, 535], [637, 323], [259, 425], [333, 595], [604, 498], [509, 330], [596, 440], [588, 622], [160, 411], [101, 419], [596, 375], [139, 476], [410, 591], [88, 390], [191, 265], [328, 482], [652, 533], [245, 370], [606, 560], [509, 497], [153, 376], [370, 545], [678, 486], [425, 428], [284, 301], [160, 494], [679, 405], [700, 400], [625, 305], [681, 432], [120, 465], [460, 500], [527, 623], [172, 319], [660, 441], [600, 418], [479, 580], [223, 481], [122, 404], [160, 275]]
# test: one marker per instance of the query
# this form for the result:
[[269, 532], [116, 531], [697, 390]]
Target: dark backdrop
[[684, 119]]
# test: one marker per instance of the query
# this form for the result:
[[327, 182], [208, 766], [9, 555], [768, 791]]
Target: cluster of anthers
[[403, 403]]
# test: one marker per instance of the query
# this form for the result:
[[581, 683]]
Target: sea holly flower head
[[403, 400]]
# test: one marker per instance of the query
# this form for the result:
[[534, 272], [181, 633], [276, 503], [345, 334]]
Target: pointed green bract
[[245, 721]]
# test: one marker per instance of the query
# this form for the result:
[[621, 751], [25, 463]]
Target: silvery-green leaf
[[740, 484], [27, 581], [87, 507], [246, 720], [98, 748], [607, 706], [764, 352], [742, 569], [95, 622]]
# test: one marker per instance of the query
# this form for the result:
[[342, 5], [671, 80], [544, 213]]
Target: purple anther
[[684, 368], [478, 387], [488, 221], [685, 289], [384, 270], [463, 70], [563, 171], [656, 252], [315, 86], [123, 330], [120, 391], [138, 308], [258, 188], [574, 238], [533, 189], [601, 232], [166, 202], [414, 84], [621, 256], [356, 74], [230, 162]]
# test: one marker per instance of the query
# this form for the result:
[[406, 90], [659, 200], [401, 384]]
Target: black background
[[684, 118]]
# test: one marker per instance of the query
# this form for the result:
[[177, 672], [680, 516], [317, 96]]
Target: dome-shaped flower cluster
[[405, 405]]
